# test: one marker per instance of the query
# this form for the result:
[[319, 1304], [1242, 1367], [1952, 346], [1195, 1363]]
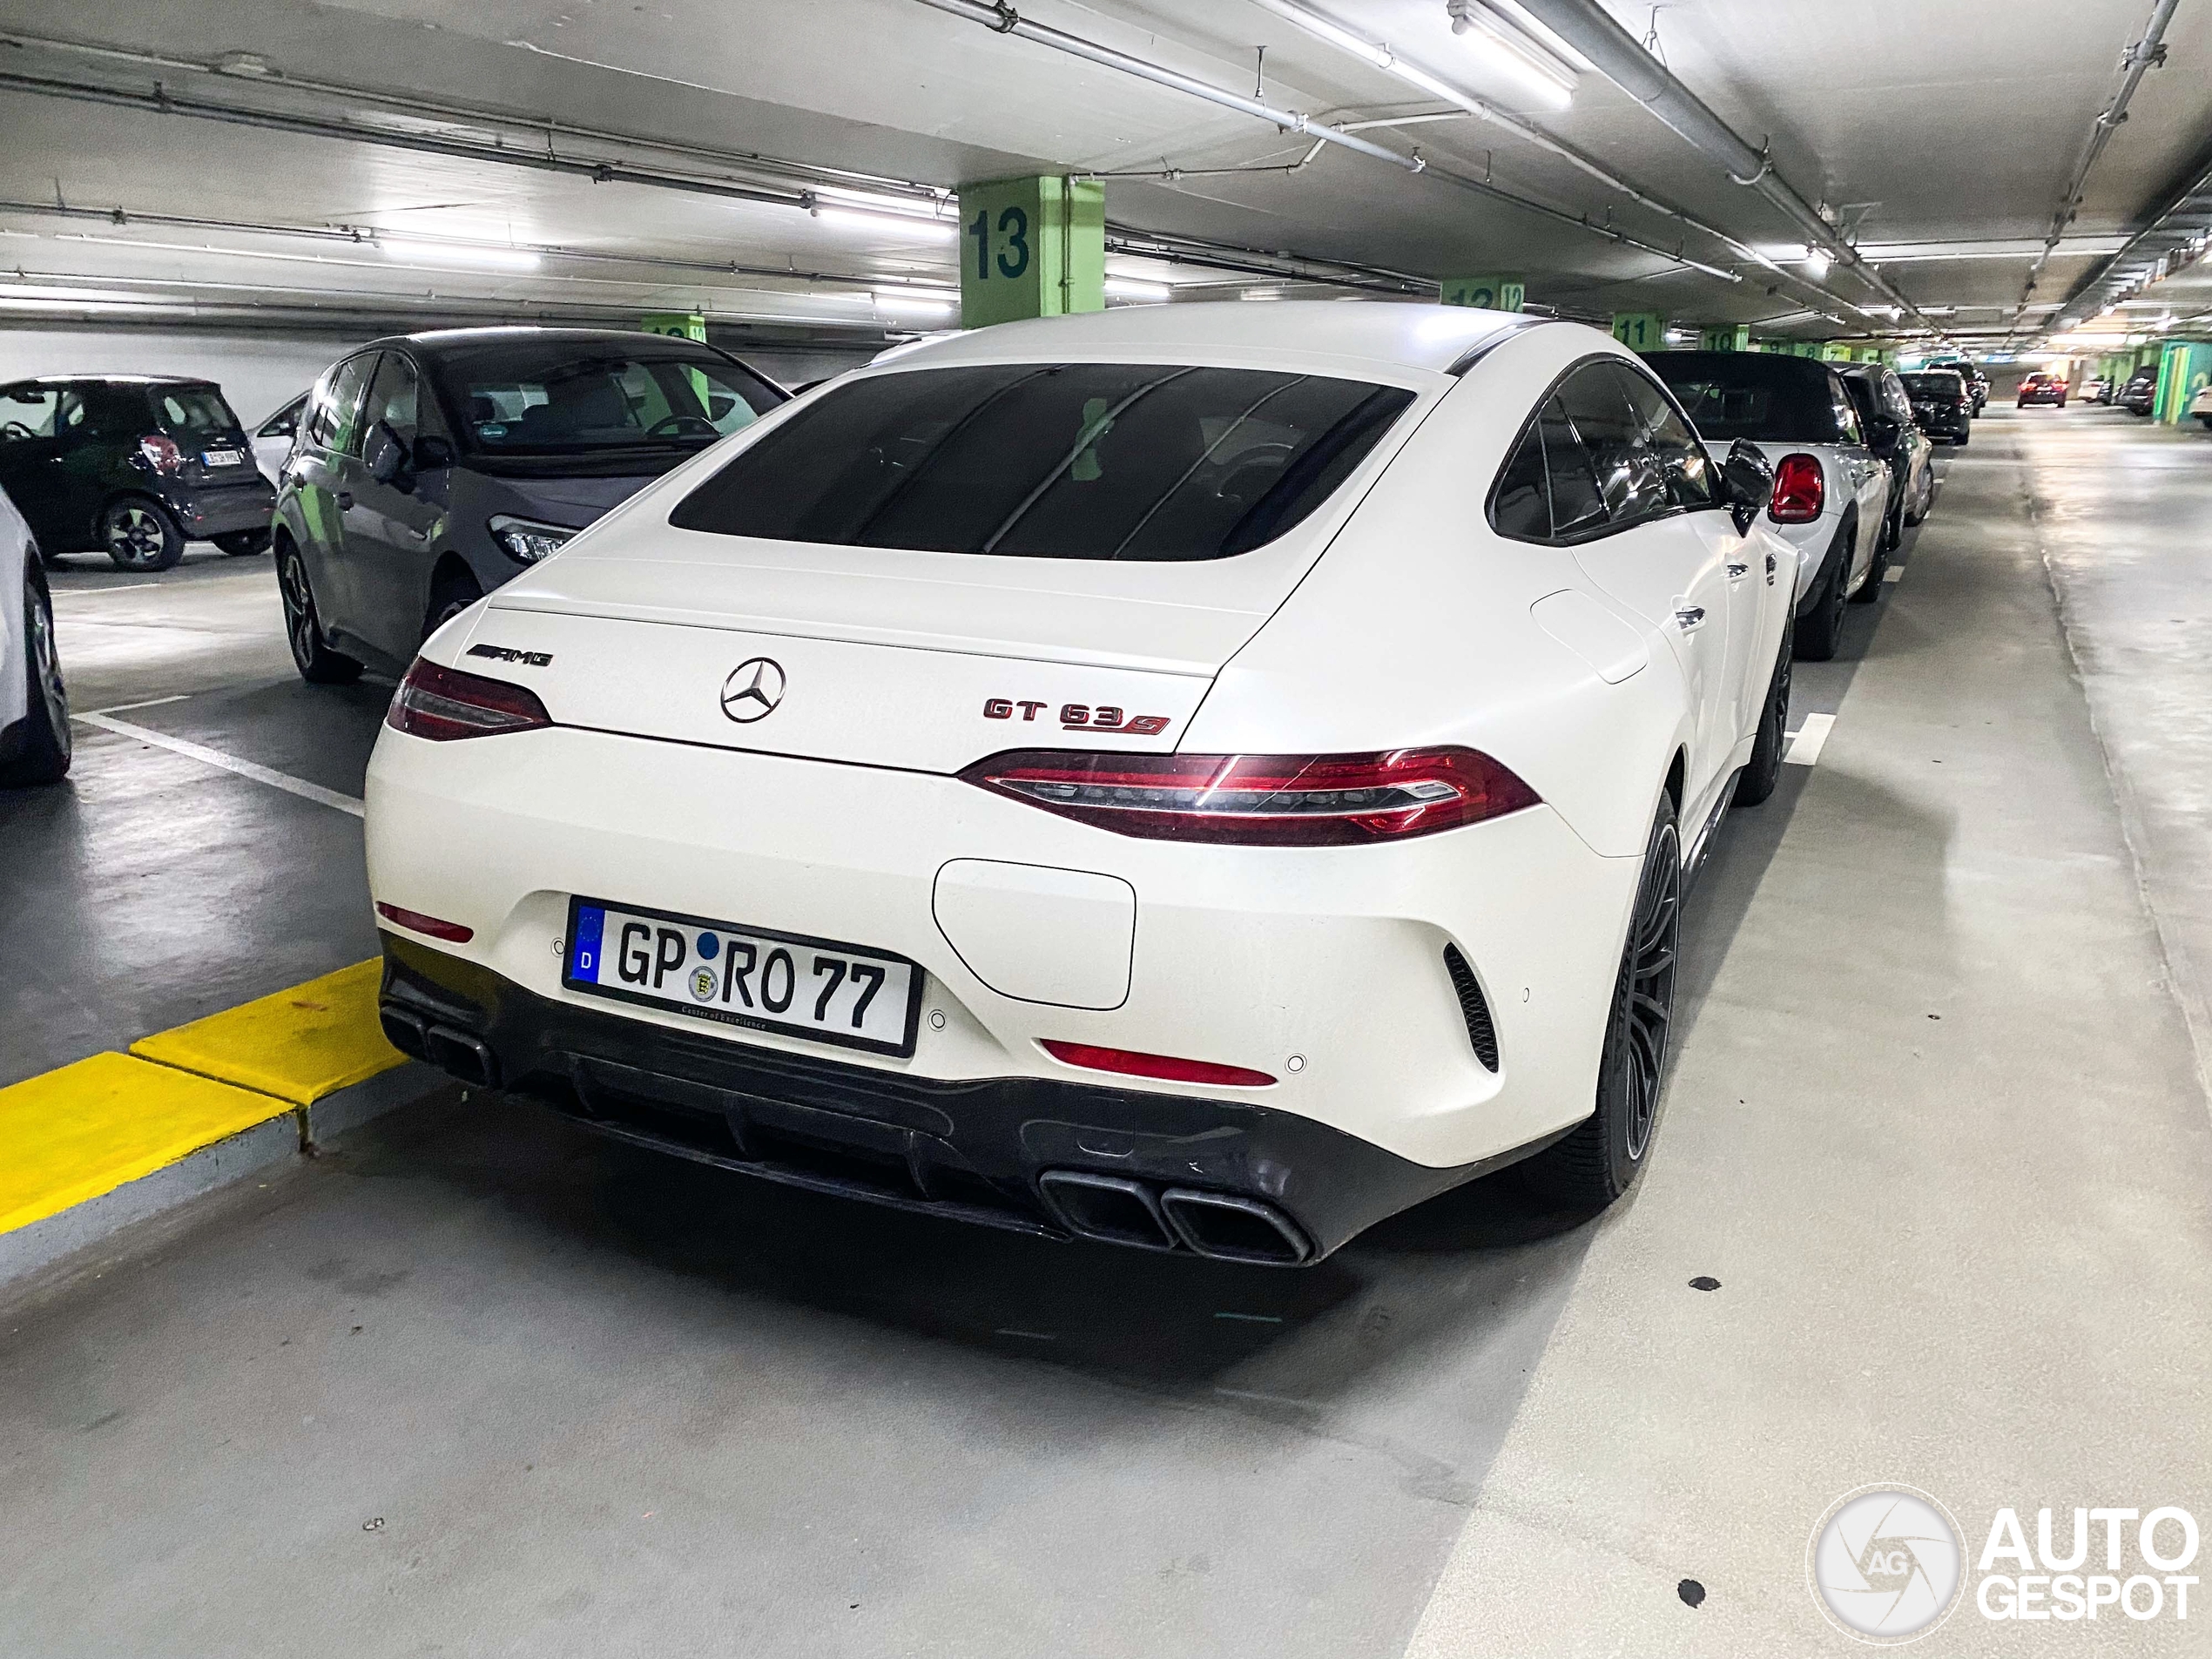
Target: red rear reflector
[[415, 921], [442, 704], [1154, 1065], [1262, 800], [1798, 490]]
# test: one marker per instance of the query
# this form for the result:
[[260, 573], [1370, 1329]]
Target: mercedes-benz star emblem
[[752, 691]]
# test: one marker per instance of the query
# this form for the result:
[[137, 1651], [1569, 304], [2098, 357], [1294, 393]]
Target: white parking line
[[229, 763], [1895, 573], [125, 587], [1806, 740], [151, 703]]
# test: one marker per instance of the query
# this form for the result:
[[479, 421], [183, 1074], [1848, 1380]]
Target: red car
[[2042, 389]]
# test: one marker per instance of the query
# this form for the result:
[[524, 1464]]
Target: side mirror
[[1747, 484], [383, 454], [1882, 433], [432, 453]]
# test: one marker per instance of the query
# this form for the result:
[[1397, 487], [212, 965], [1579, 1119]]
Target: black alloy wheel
[[44, 743], [311, 653], [1820, 631], [1763, 769], [1601, 1157], [137, 535]]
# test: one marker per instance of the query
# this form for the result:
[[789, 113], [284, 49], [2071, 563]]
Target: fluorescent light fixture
[[1542, 84], [869, 219], [1498, 48], [1150, 294], [460, 256], [1676, 336], [1816, 264], [915, 302], [1781, 253]]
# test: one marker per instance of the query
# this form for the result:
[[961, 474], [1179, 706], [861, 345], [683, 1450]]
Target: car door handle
[[1738, 572], [345, 500], [1690, 617], [1770, 570]]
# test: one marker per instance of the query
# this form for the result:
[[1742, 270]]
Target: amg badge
[[509, 654]]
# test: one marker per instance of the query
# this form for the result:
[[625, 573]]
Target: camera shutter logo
[[1886, 1564]]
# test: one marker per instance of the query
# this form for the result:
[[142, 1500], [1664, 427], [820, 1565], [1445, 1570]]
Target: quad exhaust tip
[[455, 1053], [1115, 1209]]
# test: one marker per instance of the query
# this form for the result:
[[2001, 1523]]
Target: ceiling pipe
[[1003, 19], [2138, 61], [1617, 54]]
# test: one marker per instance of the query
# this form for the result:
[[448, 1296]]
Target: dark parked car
[[429, 470], [1942, 403], [2140, 393], [1977, 382], [131, 466], [1885, 412], [2039, 387]]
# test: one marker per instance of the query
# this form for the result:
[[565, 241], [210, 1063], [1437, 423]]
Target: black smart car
[[133, 466], [1942, 407]]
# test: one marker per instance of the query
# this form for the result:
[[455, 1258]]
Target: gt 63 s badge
[[1074, 716]]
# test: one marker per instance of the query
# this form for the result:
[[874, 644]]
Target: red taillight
[[1132, 1064], [415, 921], [1798, 490], [1262, 800], [162, 453], [442, 704]]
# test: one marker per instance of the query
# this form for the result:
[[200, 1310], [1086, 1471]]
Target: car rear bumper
[[1168, 1172], [1325, 968], [246, 505]]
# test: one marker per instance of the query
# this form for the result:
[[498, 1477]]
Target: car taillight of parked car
[[444, 703], [1263, 801], [162, 455], [1799, 490]]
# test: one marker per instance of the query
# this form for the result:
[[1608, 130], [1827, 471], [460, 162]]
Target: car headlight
[[525, 538]]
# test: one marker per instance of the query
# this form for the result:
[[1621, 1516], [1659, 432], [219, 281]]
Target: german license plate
[[745, 976], [221, 458]]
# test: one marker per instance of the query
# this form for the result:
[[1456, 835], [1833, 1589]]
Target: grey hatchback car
[[428, 469]]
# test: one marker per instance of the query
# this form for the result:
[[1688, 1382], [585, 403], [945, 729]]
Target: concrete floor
[[476, 1383]]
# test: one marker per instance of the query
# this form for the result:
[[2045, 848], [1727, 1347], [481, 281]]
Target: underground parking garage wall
[[259, 373]]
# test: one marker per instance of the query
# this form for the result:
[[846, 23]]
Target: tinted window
[[95, 409], [27, 411], [1521, 506], [1750, 394], [1685, 471], [1569, 474], [192, 411], [285, 421], [1845, 412], [1935, 385], [1628, 472], [1080, 461], [333, 421], [548, 395], [1894, 401], [393, 398]]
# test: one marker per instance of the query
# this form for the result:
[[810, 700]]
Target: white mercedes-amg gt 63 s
[[1198, 777]]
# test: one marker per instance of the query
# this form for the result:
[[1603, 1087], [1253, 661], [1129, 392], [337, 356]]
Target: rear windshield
[[1073, 461], [551, 396], [1944, 385], [192, 411], [1743, 395]]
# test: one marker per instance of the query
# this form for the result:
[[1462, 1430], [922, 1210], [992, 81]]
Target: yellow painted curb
[[297, 1045], [89, 1128]]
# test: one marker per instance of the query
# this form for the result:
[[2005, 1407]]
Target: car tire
[[2206, 421], [453, 595], [1964, 434], [1819, 632], [43, 742], [311, 653], [1600, 1159], [1763, 769], [137, 534], [243, 543]]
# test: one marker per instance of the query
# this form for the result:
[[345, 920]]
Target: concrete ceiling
[[1941, 137]]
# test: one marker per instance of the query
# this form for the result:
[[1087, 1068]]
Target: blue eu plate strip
[[583, 949]]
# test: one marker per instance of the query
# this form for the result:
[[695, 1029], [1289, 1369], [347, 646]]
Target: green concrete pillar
[[1641, 330], [2184, 369], [1031, 248], [680, 324], [1727, 336], [1484, 292]]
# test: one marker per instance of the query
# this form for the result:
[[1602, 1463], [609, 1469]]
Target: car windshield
[[192, 411], [1141, 462], [1948, 386], [549, 396], [1742, 394]]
